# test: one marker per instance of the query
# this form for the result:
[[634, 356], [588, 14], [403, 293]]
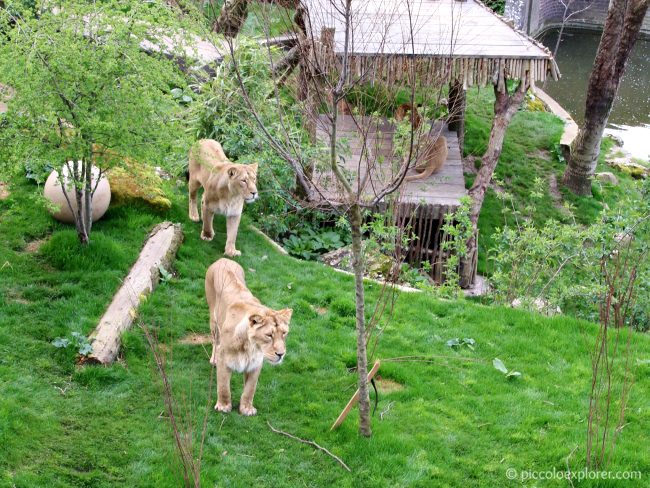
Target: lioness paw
[[232, 252], [206, 237], [223, 407], [247, 411], [195, 218]]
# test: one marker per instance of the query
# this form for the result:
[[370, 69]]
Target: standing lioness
[[244, 333], [226, 186]]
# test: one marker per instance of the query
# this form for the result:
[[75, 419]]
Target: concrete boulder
[[61, 210], [607, 177]]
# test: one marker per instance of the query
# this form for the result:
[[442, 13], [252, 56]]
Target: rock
[[607, 177], [635, 170], [617, 141], [539, 304], [53, 191], [336, 257], [4, 191], [138, 182]]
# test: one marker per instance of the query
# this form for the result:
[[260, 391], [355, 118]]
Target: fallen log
[[159, 249]]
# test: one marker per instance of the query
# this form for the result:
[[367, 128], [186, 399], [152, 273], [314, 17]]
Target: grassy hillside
[[451, 422]]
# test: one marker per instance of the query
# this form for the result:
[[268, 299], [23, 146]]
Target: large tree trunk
[[621, 30], [232, 17], [362, 358], [505, 107]]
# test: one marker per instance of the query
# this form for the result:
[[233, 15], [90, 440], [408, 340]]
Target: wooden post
[[355, 398], [456, 105], [159, 250]]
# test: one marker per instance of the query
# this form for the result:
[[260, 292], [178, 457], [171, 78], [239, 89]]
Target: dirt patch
[[384, 385], [542, 154], [33, 246], [196, 339], [4, 190], [554, 192], [319, 310], [17, 297]]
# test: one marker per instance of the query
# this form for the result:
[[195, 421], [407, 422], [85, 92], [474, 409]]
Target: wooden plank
[[445, 187], [159, 250], [355, 399]]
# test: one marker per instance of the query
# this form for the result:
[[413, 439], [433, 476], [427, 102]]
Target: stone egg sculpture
[[54, 193]]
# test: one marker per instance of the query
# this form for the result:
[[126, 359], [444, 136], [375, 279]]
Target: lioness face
[[244, 178], [268, 330]]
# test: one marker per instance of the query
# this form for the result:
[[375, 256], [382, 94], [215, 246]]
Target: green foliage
[[558, 265], [499, 366], [224, 114], [457, 230], [83, 80], [457, 343], [498, 6], [78, 341], [310, 244]]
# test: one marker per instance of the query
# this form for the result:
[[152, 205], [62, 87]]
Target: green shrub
[[559, 265]]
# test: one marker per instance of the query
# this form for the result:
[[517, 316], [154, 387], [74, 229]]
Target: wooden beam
[[159, 250], [355, 399]]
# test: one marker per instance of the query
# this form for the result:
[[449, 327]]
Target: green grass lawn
[[530, 151], [452, 423]]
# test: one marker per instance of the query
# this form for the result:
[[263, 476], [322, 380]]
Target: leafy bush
[[78, 341], [310, 243], [559, 265], [224, 114]]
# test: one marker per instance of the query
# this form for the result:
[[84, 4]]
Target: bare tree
[[567, 15], [325, 87], [181, 415], [506, 104], [622, 26], [613, 353]]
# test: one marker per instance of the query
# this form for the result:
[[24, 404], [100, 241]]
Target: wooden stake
[[355, 398]]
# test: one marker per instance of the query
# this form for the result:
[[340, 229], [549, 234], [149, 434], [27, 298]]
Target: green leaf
[[61, 342], [498, 364], [513, 374], [165, 275], [85, 349], [453, 342]]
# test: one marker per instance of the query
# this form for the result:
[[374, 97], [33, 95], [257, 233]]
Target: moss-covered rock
[[137, 181]]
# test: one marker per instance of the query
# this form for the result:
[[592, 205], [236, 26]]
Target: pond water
[[630, 117]]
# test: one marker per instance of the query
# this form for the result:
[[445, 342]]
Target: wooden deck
[[377, 165]]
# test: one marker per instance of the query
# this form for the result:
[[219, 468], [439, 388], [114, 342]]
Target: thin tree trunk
[[621, 30], [78, 178], [232, 17], [505, 107], [88, 193], [362, 358]]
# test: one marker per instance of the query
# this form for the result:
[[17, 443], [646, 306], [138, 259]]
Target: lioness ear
[[285, 314], [255, 320], [254, 167], [232, 172]]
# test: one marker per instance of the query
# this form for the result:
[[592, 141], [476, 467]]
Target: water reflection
[[630, 117]]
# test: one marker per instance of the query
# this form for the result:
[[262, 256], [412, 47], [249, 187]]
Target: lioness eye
[[270, 336]]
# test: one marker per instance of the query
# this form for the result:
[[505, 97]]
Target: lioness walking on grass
[[226, 186], [244, 333]]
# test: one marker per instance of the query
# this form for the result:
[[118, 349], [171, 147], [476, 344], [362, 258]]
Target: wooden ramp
[[374, 166]]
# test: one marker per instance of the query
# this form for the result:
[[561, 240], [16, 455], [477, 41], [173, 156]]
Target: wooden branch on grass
[[355, 398], [159, 250], [311, 443]]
